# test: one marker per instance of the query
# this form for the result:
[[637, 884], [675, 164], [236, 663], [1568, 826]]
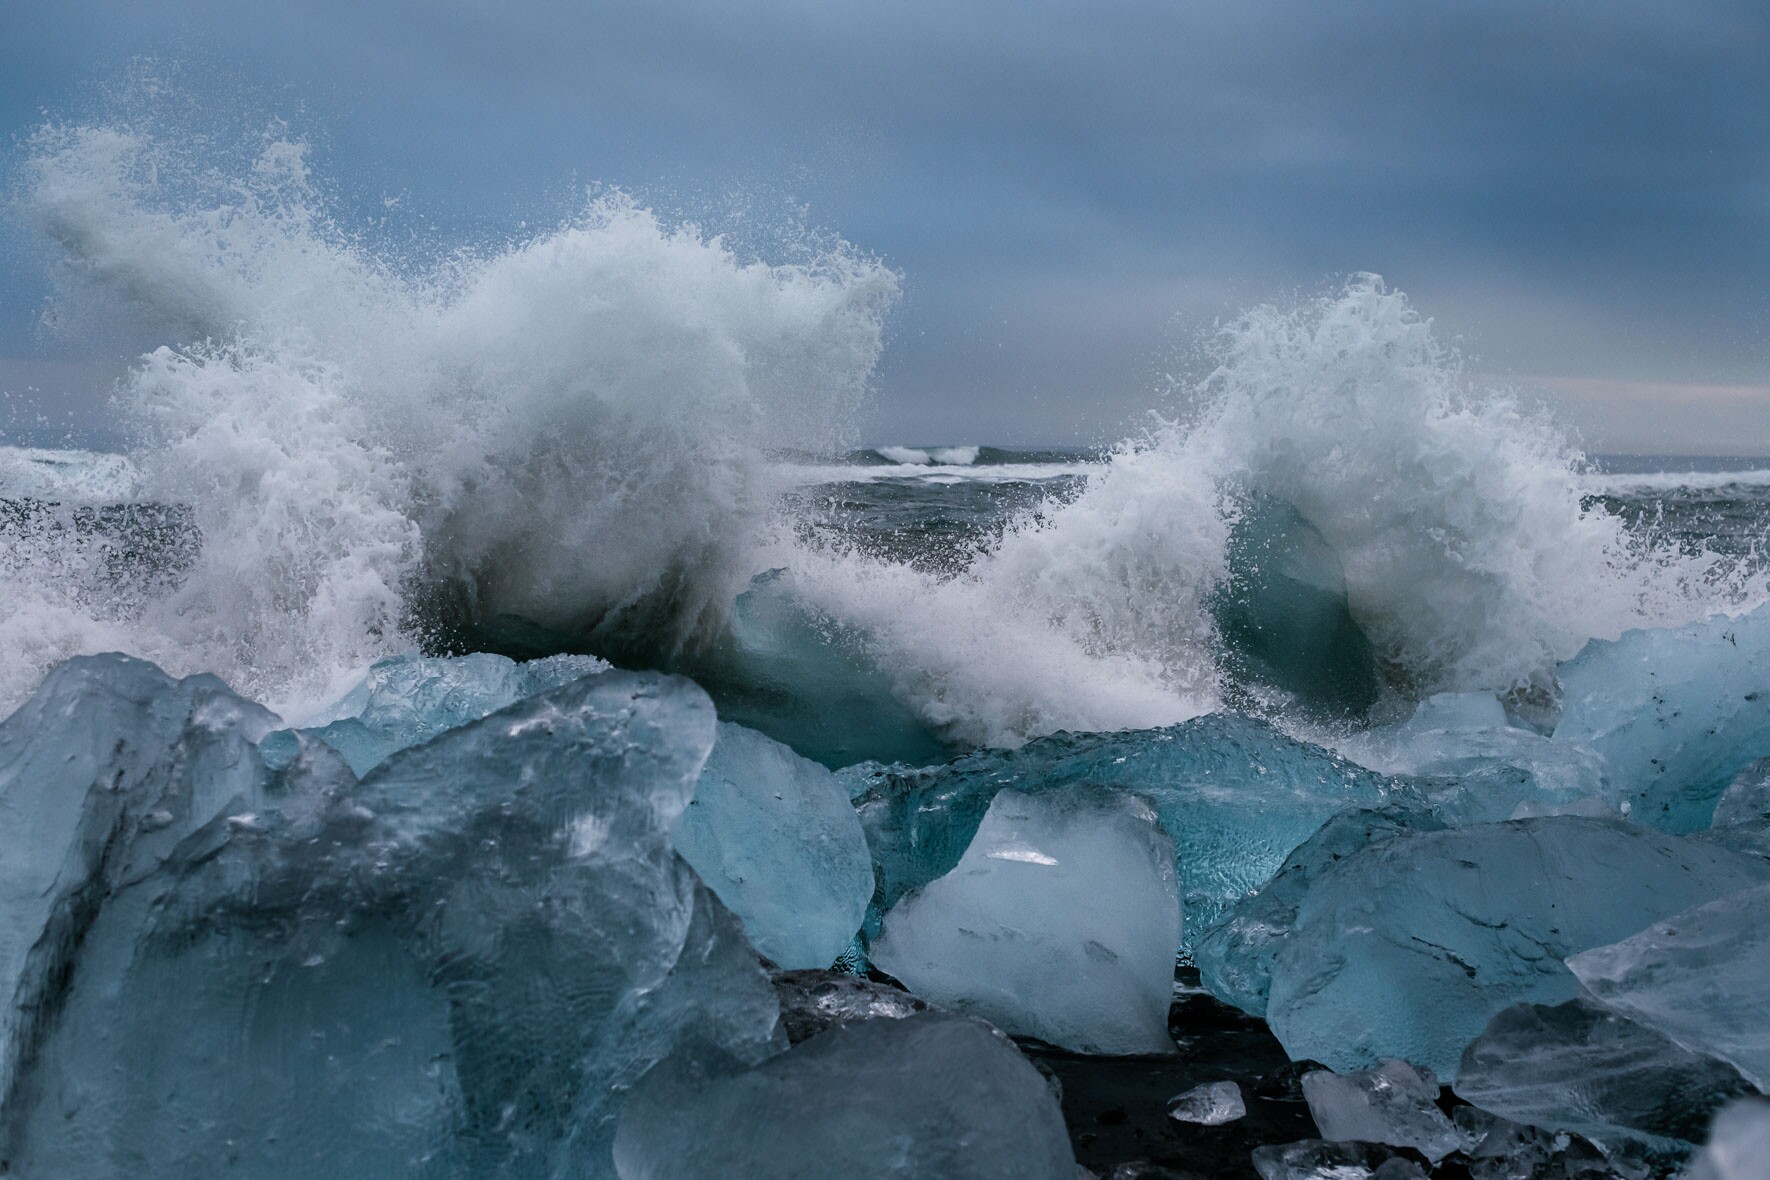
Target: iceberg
[[1393, 1103], [1409, 947], [1235, 960], [1701, 977], [1676, 712], [1234, 794], [774, 835], [1575, 1067], [452, 968], [928, 1095], [1060, 922]]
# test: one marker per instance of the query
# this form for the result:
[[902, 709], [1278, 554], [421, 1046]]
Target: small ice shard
[[816, 1001], [1409, 947], [1497, 1149], [1210, 1105], [1235, 960], [1234, 794], [1392, 1103], [407, 699], [1738, 1146], [432, 971], [1060, 922], [1701, 977], [1676, 712], [929, 1095], [774, 835], [1575, 1067], [1319, 1159]]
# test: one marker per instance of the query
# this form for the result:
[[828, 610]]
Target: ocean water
[[631, 439]]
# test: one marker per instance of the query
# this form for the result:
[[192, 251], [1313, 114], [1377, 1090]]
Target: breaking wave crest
[[352, 452]]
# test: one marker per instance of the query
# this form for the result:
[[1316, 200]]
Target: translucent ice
[[104, 771], [1235, 960], [1575, 1067], [404, 700], [1409, 947], [1701, 977], [1318, 1159], [450, 969], [1676, 712], [816, 1001], [1742, 817], [1739, 1144], [1392, 1103], [1060, 922], [774, 836], [1209, 1105], [930, 1095], [1234, 794], [1488, 769]]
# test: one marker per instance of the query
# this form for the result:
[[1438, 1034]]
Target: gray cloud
[[1581, 190]]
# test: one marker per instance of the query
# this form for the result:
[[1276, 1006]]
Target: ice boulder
[[104, 772], [774, 836], [1575, 1067], [407, 699], [1235, 960], [1409, 947], [1060, 922], [1738, 1145], [929, 1095], [1392, 1103], [1234, 794], [454, 968], [1701, 977], [1676, 712]]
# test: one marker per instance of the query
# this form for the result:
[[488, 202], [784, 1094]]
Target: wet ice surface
[[452, 925]]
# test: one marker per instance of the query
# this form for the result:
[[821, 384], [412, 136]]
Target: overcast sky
[[1578, 192]]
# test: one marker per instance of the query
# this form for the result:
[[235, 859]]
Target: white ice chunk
[[1739, 1146], [1393, 1103], [1060, 922], [1209, 1105]]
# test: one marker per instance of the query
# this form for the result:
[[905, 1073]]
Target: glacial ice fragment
[[1575, 1067], [774, 835], [1738, 1146], [1701, 977], [1392, 1103], [1676, 712], [1319, 1159], [1209, 1105], [451, 969], [1234, 794], [817, 1001], [104, 771], [1742, 817], [407, 699], [929, 1095], [1409, 947], [1235, 960], [1484, 769], [1060, 922]]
